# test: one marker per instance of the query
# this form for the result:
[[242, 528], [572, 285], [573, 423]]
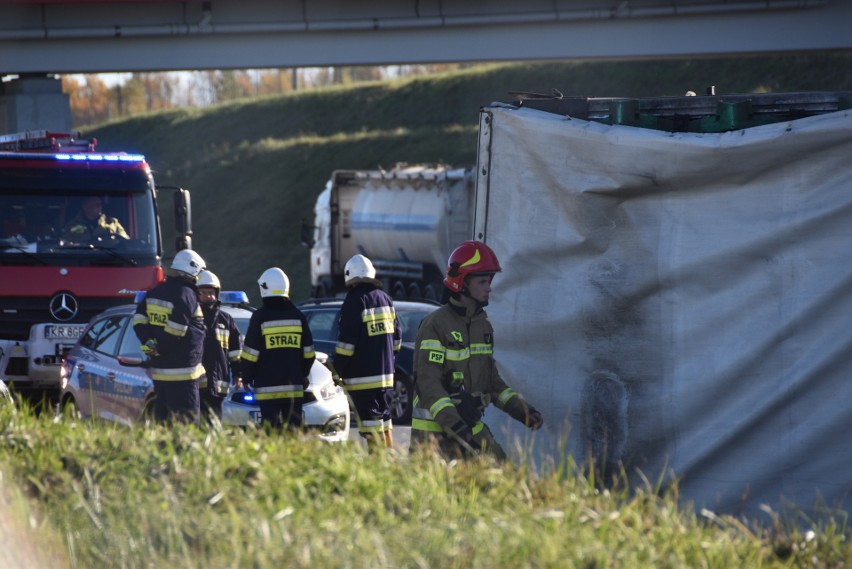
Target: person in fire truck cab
[[170, 324], [222, 350], [369, 336], [278, 353], [91, 223], [455, 375]]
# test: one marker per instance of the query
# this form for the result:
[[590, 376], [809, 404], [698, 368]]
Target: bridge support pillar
[[34, 102]]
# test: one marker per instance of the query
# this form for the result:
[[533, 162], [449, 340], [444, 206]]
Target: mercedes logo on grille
[[63, 306]]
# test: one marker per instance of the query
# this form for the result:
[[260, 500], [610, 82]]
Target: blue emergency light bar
[[233, 297], [100, 157], [225, 297]]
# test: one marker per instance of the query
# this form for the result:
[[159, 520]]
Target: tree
[[89, 100]]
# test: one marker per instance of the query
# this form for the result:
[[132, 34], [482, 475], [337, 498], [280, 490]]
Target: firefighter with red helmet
[[455, 373], [278, 353], [369, 337]]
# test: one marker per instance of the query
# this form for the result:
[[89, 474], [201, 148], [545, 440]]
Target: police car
[[103, 377]]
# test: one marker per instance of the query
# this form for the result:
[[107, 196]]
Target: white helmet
[[274, 282], [358, 267], [189, 262], [208, 279]]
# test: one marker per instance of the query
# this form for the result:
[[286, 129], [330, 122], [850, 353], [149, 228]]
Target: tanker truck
[[406, 220]]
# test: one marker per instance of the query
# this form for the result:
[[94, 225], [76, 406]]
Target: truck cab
[[79, 233]]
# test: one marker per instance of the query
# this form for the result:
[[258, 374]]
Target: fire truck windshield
[[79, 227]]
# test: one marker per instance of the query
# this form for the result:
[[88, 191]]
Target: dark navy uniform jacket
[[369, 334], [278, 351], [171, 314], [221, 349]]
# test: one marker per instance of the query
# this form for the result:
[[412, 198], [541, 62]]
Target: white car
[[96, 384], [325, 409]]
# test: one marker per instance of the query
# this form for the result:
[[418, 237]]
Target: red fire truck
[[58, 267]]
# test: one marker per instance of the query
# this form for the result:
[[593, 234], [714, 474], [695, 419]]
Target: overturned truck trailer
[[677, 286]]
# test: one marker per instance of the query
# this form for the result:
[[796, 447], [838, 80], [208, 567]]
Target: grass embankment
[[184, 497], [255, 167]]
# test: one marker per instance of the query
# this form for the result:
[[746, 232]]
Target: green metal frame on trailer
[[704, 113]]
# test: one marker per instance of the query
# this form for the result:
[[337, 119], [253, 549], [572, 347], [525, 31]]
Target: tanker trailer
[[406, 220]]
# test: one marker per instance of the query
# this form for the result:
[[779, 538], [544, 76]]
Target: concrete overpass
[[73, 36]]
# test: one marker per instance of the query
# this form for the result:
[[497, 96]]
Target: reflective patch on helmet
[[473, 260], [437, 357]]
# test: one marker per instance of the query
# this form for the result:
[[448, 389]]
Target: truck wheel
[[429, 293], [398, 292], [399, 398], [414, 291]]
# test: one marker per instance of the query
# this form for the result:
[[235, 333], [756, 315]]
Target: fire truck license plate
[[68, 331]]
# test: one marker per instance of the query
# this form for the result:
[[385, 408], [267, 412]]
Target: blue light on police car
[[233, 297]]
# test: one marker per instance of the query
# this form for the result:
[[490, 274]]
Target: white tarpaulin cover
[[680, 302]]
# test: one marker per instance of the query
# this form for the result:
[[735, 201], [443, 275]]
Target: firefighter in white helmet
[[278, 353], [221, 347], [170, 325], [369, 337], [456, 376]]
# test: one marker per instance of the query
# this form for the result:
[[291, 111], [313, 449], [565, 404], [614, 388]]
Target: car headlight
[[64, 374]]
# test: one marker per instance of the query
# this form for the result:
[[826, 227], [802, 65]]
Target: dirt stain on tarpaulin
[[620, 409]]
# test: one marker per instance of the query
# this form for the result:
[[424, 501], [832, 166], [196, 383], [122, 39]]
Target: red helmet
[[470, 257]]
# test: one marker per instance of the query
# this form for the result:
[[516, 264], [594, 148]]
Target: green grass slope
[[255, 167], [107, 496]]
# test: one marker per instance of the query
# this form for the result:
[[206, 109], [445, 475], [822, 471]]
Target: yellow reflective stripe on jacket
[[222, 336], [426, 425], [422, 420], [309, 352], [344, 349], [140, 319], [507, 394], [176, 329], [177, 374], [158, 311], [372, 426], [279, 334], [481, 349], [433, 345], [234, 355], [368, 382], [290, 325], [250, 354], [440, 405], [278, 392], [379, 320], [219, 386], [477, 428], [458, 355]]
